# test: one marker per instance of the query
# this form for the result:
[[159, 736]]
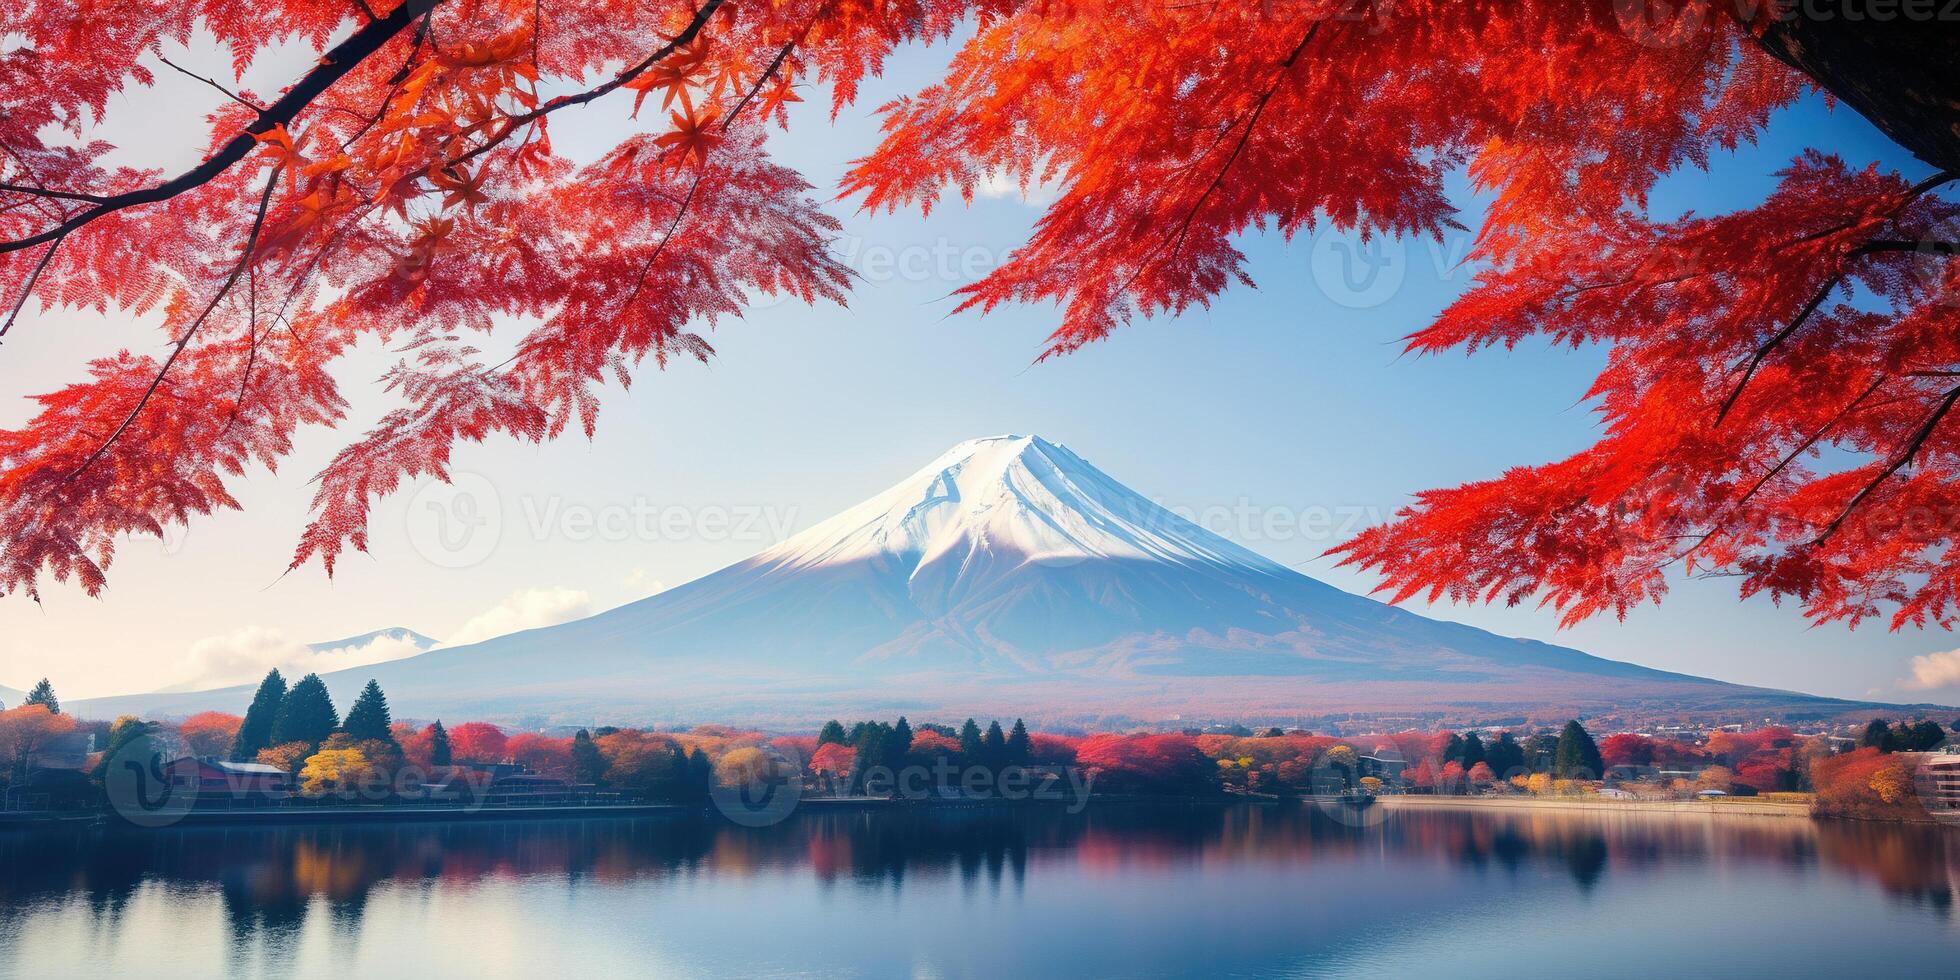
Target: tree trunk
[[1902, 72]]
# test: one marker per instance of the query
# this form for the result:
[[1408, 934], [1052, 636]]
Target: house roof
[[243, 768]]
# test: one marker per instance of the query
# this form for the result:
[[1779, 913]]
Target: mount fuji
[[1011, 576]]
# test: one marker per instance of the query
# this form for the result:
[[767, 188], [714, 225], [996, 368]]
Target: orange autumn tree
[[405, 188]]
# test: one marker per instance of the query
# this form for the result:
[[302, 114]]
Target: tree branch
[[523, 119], [343, 58], [27, 288], [1898, 462], [57, 195], [1245, 136], [244, 259], [1874, 247], [774, 65], [228, 93]]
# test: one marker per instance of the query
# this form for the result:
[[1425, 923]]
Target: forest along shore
[[1730, 807]]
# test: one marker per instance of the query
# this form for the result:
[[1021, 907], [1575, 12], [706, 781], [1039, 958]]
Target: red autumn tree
[[210, 732], [405, 188], [928, 745], [833, 758], [1865, 783], [1150, 763], [1626, 749], [542, 753], [1052, 750], [478, 741]]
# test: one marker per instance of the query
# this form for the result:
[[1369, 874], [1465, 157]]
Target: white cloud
[[524, 610], [641, 584], [243, 655], [1934, 670], [1001, 185]]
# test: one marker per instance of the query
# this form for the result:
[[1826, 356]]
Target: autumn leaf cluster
[[1779, 377]]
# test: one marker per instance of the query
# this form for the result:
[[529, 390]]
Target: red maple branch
[[333, 66]]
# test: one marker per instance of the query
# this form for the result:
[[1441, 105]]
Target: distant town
[[293, 755]]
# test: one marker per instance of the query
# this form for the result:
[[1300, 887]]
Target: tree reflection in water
[[273, 881]]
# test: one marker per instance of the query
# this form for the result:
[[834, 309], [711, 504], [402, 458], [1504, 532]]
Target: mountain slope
[[1010, 575], [10, 698]]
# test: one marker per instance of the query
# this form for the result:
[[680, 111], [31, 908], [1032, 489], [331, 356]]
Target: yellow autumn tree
[[1715, 778], [1893, 784], [745, 766], [287, 757], [334, 771]]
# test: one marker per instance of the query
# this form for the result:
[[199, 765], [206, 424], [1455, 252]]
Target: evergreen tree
[[898, 744], [1453, 750], [1577, 757], [440, 753], [43, 695], [1019, 753], [970, 741], [993, 747], [1540, 750], [588, 765], [1878, 735], [1505, 756], [307, 715], [255, 733], [368, 719], [1927, 735], [833, 732], [700, 776], [871, 742], [1473, 751]]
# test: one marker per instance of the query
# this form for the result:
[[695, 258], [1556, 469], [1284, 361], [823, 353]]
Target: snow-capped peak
[[1013, 500]]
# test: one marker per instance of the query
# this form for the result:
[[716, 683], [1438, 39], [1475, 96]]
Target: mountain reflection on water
[[1310, 893]]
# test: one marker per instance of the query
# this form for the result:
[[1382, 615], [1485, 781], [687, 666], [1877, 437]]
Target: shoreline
[[1697, 807]]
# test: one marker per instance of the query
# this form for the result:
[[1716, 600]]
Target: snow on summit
[[1009, 496]]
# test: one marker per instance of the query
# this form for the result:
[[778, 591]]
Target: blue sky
[[1287, 401]]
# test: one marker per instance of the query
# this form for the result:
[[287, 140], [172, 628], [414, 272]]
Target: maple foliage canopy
[[405, 188]]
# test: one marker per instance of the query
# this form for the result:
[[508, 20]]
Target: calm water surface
[[1112, 892]]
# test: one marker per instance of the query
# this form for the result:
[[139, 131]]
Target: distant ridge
[[391, 633], [1011, 576]]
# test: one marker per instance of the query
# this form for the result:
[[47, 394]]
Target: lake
[[1128, 891]]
